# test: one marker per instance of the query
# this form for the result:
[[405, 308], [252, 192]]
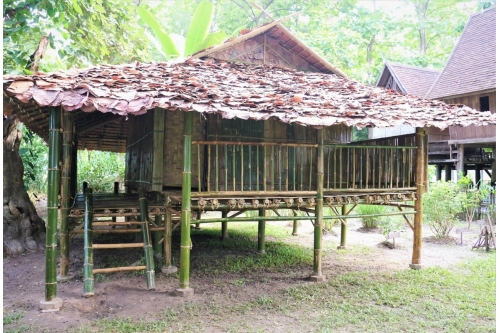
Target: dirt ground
[[126, 295]]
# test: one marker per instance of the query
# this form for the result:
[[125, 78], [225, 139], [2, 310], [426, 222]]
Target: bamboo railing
[[266, 168]]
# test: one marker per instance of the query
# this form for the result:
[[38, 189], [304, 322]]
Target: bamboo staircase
[[89, 246]]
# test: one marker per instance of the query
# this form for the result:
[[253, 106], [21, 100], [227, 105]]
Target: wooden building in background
[[469, 78]]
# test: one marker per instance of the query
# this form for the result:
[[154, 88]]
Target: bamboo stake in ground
[[146, 236], [343, 229], [67, 156], [88, 252], [224, 225], [420, 182], [51, 302], [317, 275], [262, 232], [185, 252]]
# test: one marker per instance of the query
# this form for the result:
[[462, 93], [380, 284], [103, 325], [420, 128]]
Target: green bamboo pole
[[234, 167], [54, 181], [88, 252], [294, 163], [272, 168], [225, 168], [209, 162], [146, 236], [158, 235], [258, 169], [420, 182], [250, 167], [74, 165], [224, 225], [318, 223], [262, 232], [343, 229], [279, 169], [216, 167], [185, 251], [65, 194], [264, 173], [168, 239], [199, 168], [295, 229]]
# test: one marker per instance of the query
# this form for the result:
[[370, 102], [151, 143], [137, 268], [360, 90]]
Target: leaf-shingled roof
[[233, 90]]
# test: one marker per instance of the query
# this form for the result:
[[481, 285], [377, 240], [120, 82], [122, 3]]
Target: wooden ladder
[[89, 247]]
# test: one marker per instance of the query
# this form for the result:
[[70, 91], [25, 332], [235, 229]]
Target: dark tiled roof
[[414, 80], [472, 64]]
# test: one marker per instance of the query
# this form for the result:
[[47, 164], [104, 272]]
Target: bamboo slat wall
[[264, 49], [173, 148], [139, 157]]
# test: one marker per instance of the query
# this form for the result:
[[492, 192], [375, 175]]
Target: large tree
[[54, 35]]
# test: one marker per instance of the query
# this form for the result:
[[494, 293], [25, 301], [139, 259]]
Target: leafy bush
[[371, 221], [100, 169], [34, 154], [442, 204]]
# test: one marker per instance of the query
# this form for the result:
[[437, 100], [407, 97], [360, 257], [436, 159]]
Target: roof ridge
[[412, 66]]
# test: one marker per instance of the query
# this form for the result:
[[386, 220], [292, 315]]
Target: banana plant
[[197, 38]]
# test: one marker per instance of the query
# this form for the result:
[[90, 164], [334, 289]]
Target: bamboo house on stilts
[[259, 123]]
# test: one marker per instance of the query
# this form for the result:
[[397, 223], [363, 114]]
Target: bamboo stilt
[[118, 269], [343, 229], [52, 209], [158, 235], [67, 156], [88, 252], [262, 232], [186, 208], [168, 237], [318, 223], [146, 236], [224, 225], [420, 182], [295, 231]]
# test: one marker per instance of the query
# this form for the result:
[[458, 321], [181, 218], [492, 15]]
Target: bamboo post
[[167, 242], [116, 188], [51, 302], [146, 236], [224, 226], [420, 182], [184, 289], [262, 232], [158, 234], [343, 230], [295, 230], [67, 156], [317, 275], [74, 165], [88, 252]]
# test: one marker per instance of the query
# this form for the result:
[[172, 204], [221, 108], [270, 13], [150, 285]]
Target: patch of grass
[[460, 299], [12, 319], [9, 318]]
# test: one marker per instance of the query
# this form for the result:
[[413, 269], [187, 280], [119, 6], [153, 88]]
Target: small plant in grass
[[371, 221], [442, 204]]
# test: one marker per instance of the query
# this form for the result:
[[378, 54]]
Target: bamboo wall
[[473, 132], [139, 155], [173, 149]]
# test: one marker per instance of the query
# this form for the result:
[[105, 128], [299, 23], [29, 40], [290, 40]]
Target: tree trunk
[[23, 229]]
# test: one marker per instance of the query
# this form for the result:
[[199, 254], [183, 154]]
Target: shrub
[[100, 169], [371, 221], [442, 204]]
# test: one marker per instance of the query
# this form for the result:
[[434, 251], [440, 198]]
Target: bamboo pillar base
[[317, 278], [66, 278], [184, 292], [169, 269], [416, 266], [295, 228], [51, 306]]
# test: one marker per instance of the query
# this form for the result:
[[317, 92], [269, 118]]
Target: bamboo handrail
[[117, 246], [248, 143]]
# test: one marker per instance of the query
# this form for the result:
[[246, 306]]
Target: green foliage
[[34, 154], [197, 36], [100, 169], [371, 221], [81, 33], [442, 204], [360, 135]]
